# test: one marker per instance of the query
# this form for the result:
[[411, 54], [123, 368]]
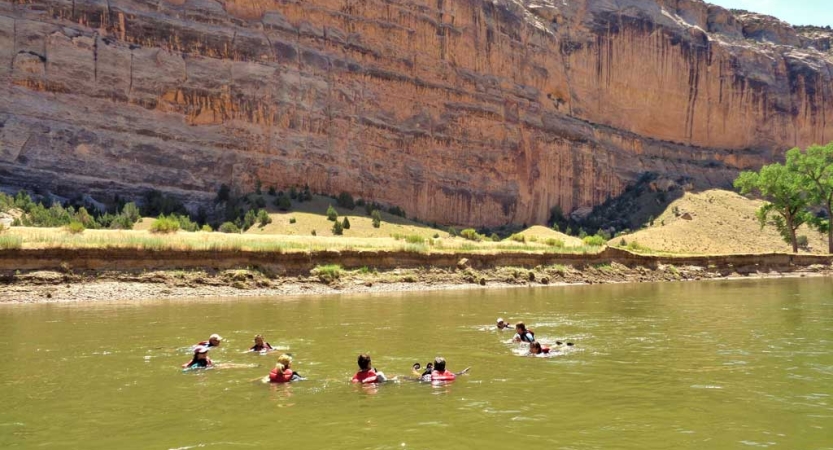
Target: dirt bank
[[104, 275]]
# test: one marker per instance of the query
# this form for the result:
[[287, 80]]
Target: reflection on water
[[693, 365]]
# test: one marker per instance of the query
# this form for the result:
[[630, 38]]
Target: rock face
[[461, 111]]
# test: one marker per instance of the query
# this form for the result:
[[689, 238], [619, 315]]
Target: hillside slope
[[715, 222]]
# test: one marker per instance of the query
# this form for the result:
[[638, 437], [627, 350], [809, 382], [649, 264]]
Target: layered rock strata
[[461, 111]]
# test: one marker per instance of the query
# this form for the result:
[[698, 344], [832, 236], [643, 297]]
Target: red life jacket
[[545, 350], [280, 377], [365, 376], [442, 376]]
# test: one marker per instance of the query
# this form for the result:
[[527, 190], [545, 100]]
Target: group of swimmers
[[434, 371], [524, 334]]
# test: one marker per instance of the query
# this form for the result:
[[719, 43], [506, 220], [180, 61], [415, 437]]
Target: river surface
[[707, 365]]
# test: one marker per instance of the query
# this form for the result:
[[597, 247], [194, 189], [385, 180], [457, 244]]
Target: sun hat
[[499, 320], [215, 336]]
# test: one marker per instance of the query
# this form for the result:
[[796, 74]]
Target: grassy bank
[[43, 238]]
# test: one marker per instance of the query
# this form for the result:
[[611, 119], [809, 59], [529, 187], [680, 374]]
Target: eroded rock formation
[[461, 111]]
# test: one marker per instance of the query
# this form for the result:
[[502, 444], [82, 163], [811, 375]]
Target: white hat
[[215, 336], [499, 320]]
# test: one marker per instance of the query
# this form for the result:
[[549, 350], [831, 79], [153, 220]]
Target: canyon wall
[[479, 112]]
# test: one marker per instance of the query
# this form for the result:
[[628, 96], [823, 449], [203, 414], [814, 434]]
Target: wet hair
[[284, 360], [535, 345], [258, 336], [364, 361], [439, 364], [521, 326]]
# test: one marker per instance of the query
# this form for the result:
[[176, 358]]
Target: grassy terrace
[[33, 238]]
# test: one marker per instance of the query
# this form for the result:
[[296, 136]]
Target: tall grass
[[9, 242]]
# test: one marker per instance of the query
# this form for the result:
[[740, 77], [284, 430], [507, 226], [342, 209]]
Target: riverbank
[[42, 276]]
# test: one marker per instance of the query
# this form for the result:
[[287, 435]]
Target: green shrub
[[345, 200], [436, 235], [328, 273], [345, 223], [415, 239], [249, 219], [553, 242], [332, 214], [75, 227], [283, 203], [207, 228], [471, 235], [293, 193], [272, 191], [802, 241], [164, 225], [377, 218], [494, 237], [307, 195], [292, 220], [517, 237], [581, 233], [228, 227], [453, 232], [338, 228], [314, 233], [260, 202], [263, 218], [594, 241]]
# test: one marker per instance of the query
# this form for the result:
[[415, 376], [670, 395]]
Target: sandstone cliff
[[461, 111]]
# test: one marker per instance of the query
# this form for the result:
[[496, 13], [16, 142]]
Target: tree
[[377, 218], [815, 165], [338, 228], [332, 214], [346, 223], [786, 203]]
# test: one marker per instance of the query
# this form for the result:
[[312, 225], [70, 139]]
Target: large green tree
[[815, 165], [786, 202]]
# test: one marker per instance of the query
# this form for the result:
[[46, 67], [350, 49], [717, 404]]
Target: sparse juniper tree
[[786, 202], [377, 218], [815, 166], [332, 214]]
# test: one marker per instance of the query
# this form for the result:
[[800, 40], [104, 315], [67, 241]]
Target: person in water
[[366, 373], [535, 348], [213, 341], [283, 373], [200, 359], [501, 325], [260, 344], [522, 334], [439, 373]]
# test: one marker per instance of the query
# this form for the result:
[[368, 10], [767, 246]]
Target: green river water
[[707, 365]]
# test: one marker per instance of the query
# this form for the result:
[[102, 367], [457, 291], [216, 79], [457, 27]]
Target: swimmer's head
[[501, 324], [364, 361], [439, 364], [215, 340], [259, 339], [285, 360], [535, 348], [520, 327]]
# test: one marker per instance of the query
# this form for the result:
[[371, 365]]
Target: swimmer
[[439, 373], [427, 372], [522, 334], [260, 345], [200, 359], [366, 374], [501, 325], [535, 348], [283, 373], [213, 341]]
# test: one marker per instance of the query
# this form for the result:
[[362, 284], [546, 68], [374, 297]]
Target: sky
[[796, 12]]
